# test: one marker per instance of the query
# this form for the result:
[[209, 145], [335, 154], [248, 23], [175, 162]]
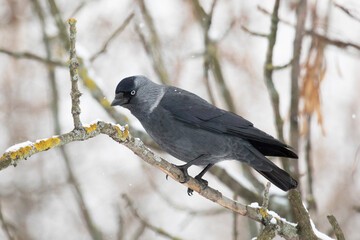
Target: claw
[[190, 192]]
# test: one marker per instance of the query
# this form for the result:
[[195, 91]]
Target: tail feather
[[279, 178], [270, 171]]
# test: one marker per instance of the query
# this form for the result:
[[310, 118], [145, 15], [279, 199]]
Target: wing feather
[[196, 112]]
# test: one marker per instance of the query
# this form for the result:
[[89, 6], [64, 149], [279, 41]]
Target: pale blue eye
[[133, 92]]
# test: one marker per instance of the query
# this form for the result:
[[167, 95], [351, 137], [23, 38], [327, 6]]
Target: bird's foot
[[203, 182], [183, 169]]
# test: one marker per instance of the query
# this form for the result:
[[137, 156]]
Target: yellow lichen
[[126, 132], [47, 144], [92, 128], [22, 152], [72, 20], [105, 103], [263, 212], [123, 134]]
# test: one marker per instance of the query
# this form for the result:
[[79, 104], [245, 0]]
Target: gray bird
[[198, 133]]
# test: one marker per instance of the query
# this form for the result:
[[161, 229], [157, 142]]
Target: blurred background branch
[[6, 226], [152, 45], [174, 31], [112, 36], [147, 224]]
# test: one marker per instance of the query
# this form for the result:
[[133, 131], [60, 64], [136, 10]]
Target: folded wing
[[196, 112]]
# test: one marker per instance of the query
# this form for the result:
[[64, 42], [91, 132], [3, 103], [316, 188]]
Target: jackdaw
[[198, 133]]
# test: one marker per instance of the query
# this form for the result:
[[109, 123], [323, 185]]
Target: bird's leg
[[185, 167], [199, 178]]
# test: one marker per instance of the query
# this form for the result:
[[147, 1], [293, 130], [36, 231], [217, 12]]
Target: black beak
[[119, 99]]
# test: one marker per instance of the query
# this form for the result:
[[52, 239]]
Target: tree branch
[[55, 12], [121, 135], [28, 55], [153, 47], [257, 34], [327, 40], [305, 230], [301, 12], [112, 36], [5, 226], [145, 223], [211, 59], [347, 11], [75, 93], [336, 227], [268, 72]]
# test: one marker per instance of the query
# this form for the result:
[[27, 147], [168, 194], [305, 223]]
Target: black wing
[[195, 111]]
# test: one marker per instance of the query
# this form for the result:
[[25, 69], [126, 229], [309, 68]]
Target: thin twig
[[268, 72], [274, 95], [28, 55], [146, 223], [347, 11], [51, 71], [112, 36], [78, 8], [75, 93], [153, 46], [210, 54], [5, 225], [301, 12], [327, 40], [95, 233], [336, 227], [121, 228], [309, 166], [265, 204], [55, 12], [139, 231], [234, 185], [170, 202], [235, 222], [257, 34], [280, 67]]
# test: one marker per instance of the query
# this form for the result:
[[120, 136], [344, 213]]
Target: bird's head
[[125, 91], [136, 93]]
